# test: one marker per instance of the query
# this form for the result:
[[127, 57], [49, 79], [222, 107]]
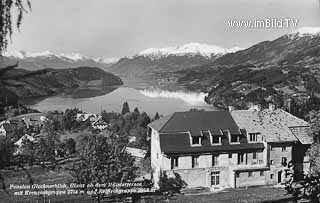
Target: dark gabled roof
[[158, 124], [196, 121], [179, 143]]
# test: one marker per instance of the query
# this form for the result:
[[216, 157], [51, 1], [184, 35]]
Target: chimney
[[289, 105], [230, 108], [272, 106]]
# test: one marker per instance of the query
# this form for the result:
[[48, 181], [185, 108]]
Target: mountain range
[[155, 65], [270, 70], [149, 61], [47, 59], [286, 67]]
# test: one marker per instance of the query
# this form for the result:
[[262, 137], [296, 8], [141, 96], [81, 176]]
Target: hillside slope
[[287, 67], [156, 65], [20, 83]]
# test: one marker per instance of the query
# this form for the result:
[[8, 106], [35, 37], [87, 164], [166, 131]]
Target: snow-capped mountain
[[110, 60], [192, 49], [155, 64], [23, 55], [287, 66], [298, 47], [48, 59]]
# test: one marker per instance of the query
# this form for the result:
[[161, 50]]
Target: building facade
[[223, 149]]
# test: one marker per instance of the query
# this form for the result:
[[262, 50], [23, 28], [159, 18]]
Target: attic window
[[196, 140], [215, 139], [235, 138], [253, 137]]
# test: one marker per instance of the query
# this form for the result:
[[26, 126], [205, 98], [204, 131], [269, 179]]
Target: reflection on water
[[88, 92], [113, 100], [193, 98]]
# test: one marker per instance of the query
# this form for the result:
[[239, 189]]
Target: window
[[216, 139], [215, 178], [235, 138], [237, 174], [287, 173], [284, 161], [271, 162], [260, 161], [196, 140], [254, 155], [249, 174], [195, 161], [261, 173], [240, 158], [284, 149], [253, 137], [174, 162], [271, 176], [271, 148], [230, 155], [215, 160]]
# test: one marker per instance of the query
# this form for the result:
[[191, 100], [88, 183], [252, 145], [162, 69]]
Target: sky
[[117, 28]]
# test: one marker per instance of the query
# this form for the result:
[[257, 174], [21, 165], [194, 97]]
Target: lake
[[150, 100]]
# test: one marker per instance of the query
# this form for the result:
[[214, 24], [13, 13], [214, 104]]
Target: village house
[[5, 128], [138, 154], [33, 122], [229, 149], [85, 116], [100, 124], [20, 143], [97, 122]]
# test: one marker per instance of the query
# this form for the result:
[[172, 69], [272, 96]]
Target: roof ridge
[[167, 121], [289, 114]]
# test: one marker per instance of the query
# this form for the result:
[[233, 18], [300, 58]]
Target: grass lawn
[[242, 195]]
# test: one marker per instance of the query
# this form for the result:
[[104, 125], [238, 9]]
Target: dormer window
[[253, 137], [196, 140], [215, 139], [205, 133], [235, 139]]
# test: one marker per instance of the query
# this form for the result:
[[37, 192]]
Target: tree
[[6, 152], [70, 119], [314, 151], [27, 152], [309, 187], [136, 110], [6, 19], [67, 147], [156, 117], [102, 160], [125, 108], [48, 144], [171, 184], [313, 118], [314, 154]]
